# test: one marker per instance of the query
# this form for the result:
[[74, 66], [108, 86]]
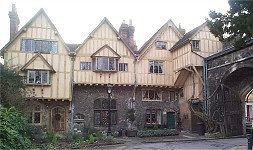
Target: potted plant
[[131, 117]]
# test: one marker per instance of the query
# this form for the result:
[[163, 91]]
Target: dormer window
[[161, 44], [38, 45], [195, 45], [105, 64], [37, 77]]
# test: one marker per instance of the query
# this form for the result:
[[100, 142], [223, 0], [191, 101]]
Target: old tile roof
[[187, 37]]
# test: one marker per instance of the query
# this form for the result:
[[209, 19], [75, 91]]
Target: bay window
[[105, 63], [37, 77]]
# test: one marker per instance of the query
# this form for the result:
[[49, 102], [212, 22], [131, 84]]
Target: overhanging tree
[[12, 88], [236, 25]]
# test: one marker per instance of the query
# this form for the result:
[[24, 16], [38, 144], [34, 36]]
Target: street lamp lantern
[[109, 88], [109, 91]]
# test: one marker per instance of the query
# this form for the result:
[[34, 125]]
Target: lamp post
[[109, 91]]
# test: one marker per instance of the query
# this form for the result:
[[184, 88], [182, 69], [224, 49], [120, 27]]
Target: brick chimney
[[126, 32], [14, 21], [181, 30]]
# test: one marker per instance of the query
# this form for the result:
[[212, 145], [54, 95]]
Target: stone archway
[[235, 84], [58, 119]]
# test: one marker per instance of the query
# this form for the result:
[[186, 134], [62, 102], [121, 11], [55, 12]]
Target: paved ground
[[184, 141]]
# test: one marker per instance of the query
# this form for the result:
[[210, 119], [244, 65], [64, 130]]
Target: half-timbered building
[[67, 83]]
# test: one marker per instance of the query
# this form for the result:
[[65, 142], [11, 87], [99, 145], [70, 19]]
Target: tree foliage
[[12, 88], [14, 130], [236, 25]]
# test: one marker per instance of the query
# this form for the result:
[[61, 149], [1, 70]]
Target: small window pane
[[97, 118], [105, 117], [123, 67], [105, 104], [44, 77], [85, 65], [37, 117], [113, 117], [54, 48], [113, 104], [38, 45], [31, 76], [37, 77]]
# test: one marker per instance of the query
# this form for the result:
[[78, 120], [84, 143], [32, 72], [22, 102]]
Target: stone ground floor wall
[[83, 100], [125, 96], [46, 115], [165, 105]]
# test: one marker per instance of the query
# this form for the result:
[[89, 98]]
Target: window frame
[[195, 44], [154, 64], [156, 92], [158, 116], [32, 112], [124, 67], [97, 64], [54, 46], [161, 45], [105, 111], [84, 65], [41, 77]]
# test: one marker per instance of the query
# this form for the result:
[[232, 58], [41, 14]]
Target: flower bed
[[158, 132]]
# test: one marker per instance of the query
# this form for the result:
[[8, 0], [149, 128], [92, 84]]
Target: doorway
[[58, 119], [171, 120]]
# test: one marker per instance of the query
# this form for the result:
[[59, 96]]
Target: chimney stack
[[14, 21], [181, 30], [126, 32]]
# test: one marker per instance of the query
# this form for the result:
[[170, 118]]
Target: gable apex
[[110, 52], [37, 57], [28, 24], [105, 20]]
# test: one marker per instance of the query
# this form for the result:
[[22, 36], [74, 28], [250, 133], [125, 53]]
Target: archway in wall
[[236, 83], [58, 117]]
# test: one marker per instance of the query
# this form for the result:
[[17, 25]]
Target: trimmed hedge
[[159, 132]]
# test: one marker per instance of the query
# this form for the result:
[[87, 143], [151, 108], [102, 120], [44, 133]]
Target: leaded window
[[161, 44], [151, 95], [195, 44], [37, 77], [101, 112], [35, 45], [34, 114], [105, 63], [156, 66], [153, 116], [85, 65], [123, 66]]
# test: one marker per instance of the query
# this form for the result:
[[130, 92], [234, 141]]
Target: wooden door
[[171, 120], [58, 119]]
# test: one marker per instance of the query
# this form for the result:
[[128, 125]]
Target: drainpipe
[[205, 71], [72, 58]]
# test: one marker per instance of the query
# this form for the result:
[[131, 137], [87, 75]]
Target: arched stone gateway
[[228, 79]]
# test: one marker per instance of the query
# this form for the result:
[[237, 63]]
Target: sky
[[76, 19]]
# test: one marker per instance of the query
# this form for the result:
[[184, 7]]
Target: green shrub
[[159, 132], [14, 130]]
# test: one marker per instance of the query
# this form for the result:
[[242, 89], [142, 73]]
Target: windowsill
[[194, 49], [157, 73], [105, 70], [38, 84], [161, 48], [149, 100]]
